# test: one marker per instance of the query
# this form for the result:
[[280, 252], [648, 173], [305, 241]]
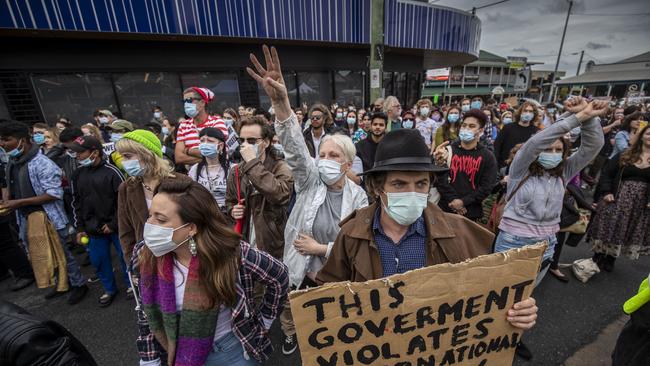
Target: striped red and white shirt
[[189, 133]]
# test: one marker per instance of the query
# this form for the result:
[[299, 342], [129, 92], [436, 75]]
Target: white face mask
[[405, 207], [329, 171], [159, 239]]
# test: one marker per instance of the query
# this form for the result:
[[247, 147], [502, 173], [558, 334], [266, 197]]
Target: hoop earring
[[193, 250]]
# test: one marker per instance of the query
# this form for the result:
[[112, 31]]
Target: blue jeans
[[506, 241], [74, 271], [228, 350], [99, 248]]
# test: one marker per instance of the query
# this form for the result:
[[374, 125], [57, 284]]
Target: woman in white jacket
[[324, 195]]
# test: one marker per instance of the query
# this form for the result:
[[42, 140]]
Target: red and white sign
[[438, 74]]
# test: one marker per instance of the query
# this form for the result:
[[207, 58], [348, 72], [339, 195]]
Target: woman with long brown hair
[[198, 279], [448, 131], [621, 226]]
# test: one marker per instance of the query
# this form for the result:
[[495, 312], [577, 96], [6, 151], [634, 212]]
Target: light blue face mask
[[191, 110], [229, 121], [405, 207], [115, 137], [15, 153], [527, 117], [86, 162], [133, 168], [208, 149], [39, 138], [407, 124], [477, 104], [165, 131], [549, 160], [452, 117], [466, 135], [507, 120], [464, 107]]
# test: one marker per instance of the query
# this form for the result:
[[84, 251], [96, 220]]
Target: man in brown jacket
[[265, 188], [402, 231]]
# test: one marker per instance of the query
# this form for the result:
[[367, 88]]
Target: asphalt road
[[571, 315]]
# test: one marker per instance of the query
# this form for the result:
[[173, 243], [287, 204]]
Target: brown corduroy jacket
[[132, 213], [451, 239]]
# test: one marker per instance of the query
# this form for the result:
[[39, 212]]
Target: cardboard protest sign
[[108, 148], [449, 314]]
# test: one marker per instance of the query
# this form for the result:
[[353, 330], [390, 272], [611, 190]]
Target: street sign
[[516, 63], [374, 78]]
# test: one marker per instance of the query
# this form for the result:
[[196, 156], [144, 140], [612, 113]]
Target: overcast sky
[[533, 28]]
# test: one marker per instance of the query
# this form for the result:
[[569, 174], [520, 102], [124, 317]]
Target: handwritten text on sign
[[450, 314]]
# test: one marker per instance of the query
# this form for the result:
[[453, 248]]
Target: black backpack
[[28, 340]]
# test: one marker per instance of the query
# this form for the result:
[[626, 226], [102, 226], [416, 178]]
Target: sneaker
[[289, 345], [523, 351], [93, 279], [106, 299], [53, 293], [77, 293], [21, 283]]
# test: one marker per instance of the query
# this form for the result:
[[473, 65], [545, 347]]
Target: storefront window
[[223, 84], [413, 88], [139, 92], [315, 87], [387, 83], [348, 86], [74, 96], [290, 82], [400, 87]]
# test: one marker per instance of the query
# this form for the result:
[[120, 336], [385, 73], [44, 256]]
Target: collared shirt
[[408, 254]]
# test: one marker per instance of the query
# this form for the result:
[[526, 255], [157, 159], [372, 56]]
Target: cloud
[[560, 6], [597, 46], [494, 17], [521, 50]]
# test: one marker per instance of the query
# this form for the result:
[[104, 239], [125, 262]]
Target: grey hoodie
[[539, 200]]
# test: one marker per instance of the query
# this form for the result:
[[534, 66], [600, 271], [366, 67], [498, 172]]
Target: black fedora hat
[[403, 150]]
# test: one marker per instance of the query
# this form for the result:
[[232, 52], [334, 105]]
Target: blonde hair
[[344, 143], [54, 134], [94, 131], [424, 101], [388, 101], [153, 165]]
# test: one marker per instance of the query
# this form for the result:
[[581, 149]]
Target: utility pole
[[582, 54], [376, 64], [557, 62]]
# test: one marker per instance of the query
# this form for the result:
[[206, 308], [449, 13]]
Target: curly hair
[[519, 111]]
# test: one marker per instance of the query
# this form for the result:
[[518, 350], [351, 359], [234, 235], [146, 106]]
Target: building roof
[[607, 76], [489, 56], [644, 57]]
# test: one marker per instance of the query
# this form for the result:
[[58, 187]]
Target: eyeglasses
[[316, 118], [249, 140], [190, 100]]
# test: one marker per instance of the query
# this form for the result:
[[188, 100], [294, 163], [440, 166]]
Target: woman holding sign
[[324, 194]]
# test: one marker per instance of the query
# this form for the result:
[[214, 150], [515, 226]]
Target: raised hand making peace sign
[[270, 78]]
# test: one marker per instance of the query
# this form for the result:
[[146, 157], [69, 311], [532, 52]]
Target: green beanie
[[146, 139]]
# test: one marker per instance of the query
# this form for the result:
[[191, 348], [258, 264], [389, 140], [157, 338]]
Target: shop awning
[[605, 77]]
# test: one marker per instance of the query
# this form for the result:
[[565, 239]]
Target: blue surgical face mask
[[405, 207], [86, 162], [279, 147], [477, 104], [157, 115], [466, 135], [165, 131], [407, 124], [133, 168], [209, 149], [527, 117], [352, 121], [549, 160], [452, 117], [507, 120], [15, 153], [115, 137], [39, 138], [229, 121], [464, 107], [191, 110]]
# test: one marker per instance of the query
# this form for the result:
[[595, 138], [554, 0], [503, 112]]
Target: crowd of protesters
[[216, 217]]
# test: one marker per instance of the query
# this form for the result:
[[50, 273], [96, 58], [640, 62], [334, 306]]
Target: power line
[[611, 15], [488, 5]]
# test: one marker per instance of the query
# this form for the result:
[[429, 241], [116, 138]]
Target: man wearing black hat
[[95, 185], [401, 231]]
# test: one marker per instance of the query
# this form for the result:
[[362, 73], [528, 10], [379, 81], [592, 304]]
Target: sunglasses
[[316, 118], [190, 100], [249, 140]]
